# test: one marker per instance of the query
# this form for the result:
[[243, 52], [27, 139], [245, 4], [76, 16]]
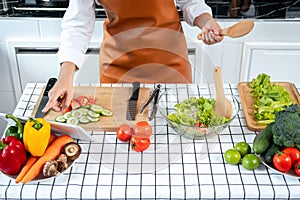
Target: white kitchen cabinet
[[280, 60], [38, 65], [7, 94], [5, 80], [34, 61]]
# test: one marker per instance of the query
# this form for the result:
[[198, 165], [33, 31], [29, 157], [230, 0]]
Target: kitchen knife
[[132, 102], [45, 98]]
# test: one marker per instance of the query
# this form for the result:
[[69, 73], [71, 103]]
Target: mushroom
[[50, 168], [72, 150], [62, 161]]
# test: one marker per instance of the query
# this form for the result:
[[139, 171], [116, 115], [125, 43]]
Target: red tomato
[[124, 132], [282, 162], [68, 109], [142, 128], [297, 168], [139, 143], [293, 152]]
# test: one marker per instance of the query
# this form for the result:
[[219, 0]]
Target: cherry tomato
[[293, 152], [142, 128], [139, 143], [124, 132], [297, 168], [282, 162]]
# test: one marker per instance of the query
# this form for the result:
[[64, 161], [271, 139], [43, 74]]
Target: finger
[[53, 99], [66, 102], [208, 38]]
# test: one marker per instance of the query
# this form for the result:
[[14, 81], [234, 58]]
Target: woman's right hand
[[61, 94]]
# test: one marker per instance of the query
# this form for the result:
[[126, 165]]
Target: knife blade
[[132, 102], [45, 98]]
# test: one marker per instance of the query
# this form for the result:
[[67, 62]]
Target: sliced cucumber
[[60, 119], [84, 120], [106, 112], [93, 114], [76, 113], [67, 115], [84, 111], [72, 120], [93, 119], [96, 108]]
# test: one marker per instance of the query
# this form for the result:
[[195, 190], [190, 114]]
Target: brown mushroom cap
[[72, 150], [50, 168], [62, 161]]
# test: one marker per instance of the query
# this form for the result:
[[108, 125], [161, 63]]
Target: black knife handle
[[135, 90], [49, 86]]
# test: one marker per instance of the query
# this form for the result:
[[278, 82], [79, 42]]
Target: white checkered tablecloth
[[173, 166]]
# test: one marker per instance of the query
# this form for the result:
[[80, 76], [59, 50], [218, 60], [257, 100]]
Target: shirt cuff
[[193, 11], [69, 55]]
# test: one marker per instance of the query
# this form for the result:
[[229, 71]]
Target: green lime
[[232, 156], [250, 161], [243, 147]]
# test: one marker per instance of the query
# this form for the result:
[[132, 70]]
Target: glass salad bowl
[[192, 115]]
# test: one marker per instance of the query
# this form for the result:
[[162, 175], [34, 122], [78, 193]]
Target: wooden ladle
[[237, 30], [223, 105]]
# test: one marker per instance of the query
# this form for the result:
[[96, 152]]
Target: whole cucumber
[[270, 153], [263, 140]]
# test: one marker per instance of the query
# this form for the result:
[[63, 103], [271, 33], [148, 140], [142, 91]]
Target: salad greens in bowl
[[192, 115]]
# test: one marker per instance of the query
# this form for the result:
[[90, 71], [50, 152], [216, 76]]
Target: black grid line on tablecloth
[[106, 165]]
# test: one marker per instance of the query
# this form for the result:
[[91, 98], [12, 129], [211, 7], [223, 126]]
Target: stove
[[41, 8]]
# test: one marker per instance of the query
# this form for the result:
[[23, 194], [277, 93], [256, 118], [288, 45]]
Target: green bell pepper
[[15, 130]]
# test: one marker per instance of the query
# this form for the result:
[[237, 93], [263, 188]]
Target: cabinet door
[[39, 64], [279, 60]]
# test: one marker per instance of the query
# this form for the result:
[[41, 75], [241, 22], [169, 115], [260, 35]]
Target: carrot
[[31, 160], [51, 153]]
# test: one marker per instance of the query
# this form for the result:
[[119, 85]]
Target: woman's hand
[[61, 94], [211, 31]]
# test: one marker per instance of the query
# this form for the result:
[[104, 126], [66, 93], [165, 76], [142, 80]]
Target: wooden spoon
[[237, 30], [223, 105]]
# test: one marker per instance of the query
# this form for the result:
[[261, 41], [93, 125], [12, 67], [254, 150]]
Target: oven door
[[45, 3]]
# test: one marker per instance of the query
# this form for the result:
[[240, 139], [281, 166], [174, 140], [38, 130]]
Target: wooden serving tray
[[113, 98], [247, 101]]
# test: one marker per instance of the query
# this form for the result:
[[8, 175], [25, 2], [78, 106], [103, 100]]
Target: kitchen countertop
[[173, 166]]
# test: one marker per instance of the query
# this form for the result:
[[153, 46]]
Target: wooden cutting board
[[113, 98], [247, 102]]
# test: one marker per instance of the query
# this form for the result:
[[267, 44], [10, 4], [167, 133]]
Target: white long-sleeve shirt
[[79, 21]]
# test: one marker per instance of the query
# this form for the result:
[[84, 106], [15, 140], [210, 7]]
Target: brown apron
[[143, 41]]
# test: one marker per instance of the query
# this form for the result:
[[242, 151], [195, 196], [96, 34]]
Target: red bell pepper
[[12, 155]]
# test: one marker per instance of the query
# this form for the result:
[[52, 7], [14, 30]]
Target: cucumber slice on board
[[96, 108], [84, 111], [76, 113], [67, 115], [93, 119], [93, 114], [60, 119], [106, 112], [72, 120], [84, 120]]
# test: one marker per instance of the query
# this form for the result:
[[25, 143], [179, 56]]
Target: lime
[[250, 161], [232, 156], [243, 147]]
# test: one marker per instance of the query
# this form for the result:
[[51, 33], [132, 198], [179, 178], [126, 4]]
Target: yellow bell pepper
[[36, 136]]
